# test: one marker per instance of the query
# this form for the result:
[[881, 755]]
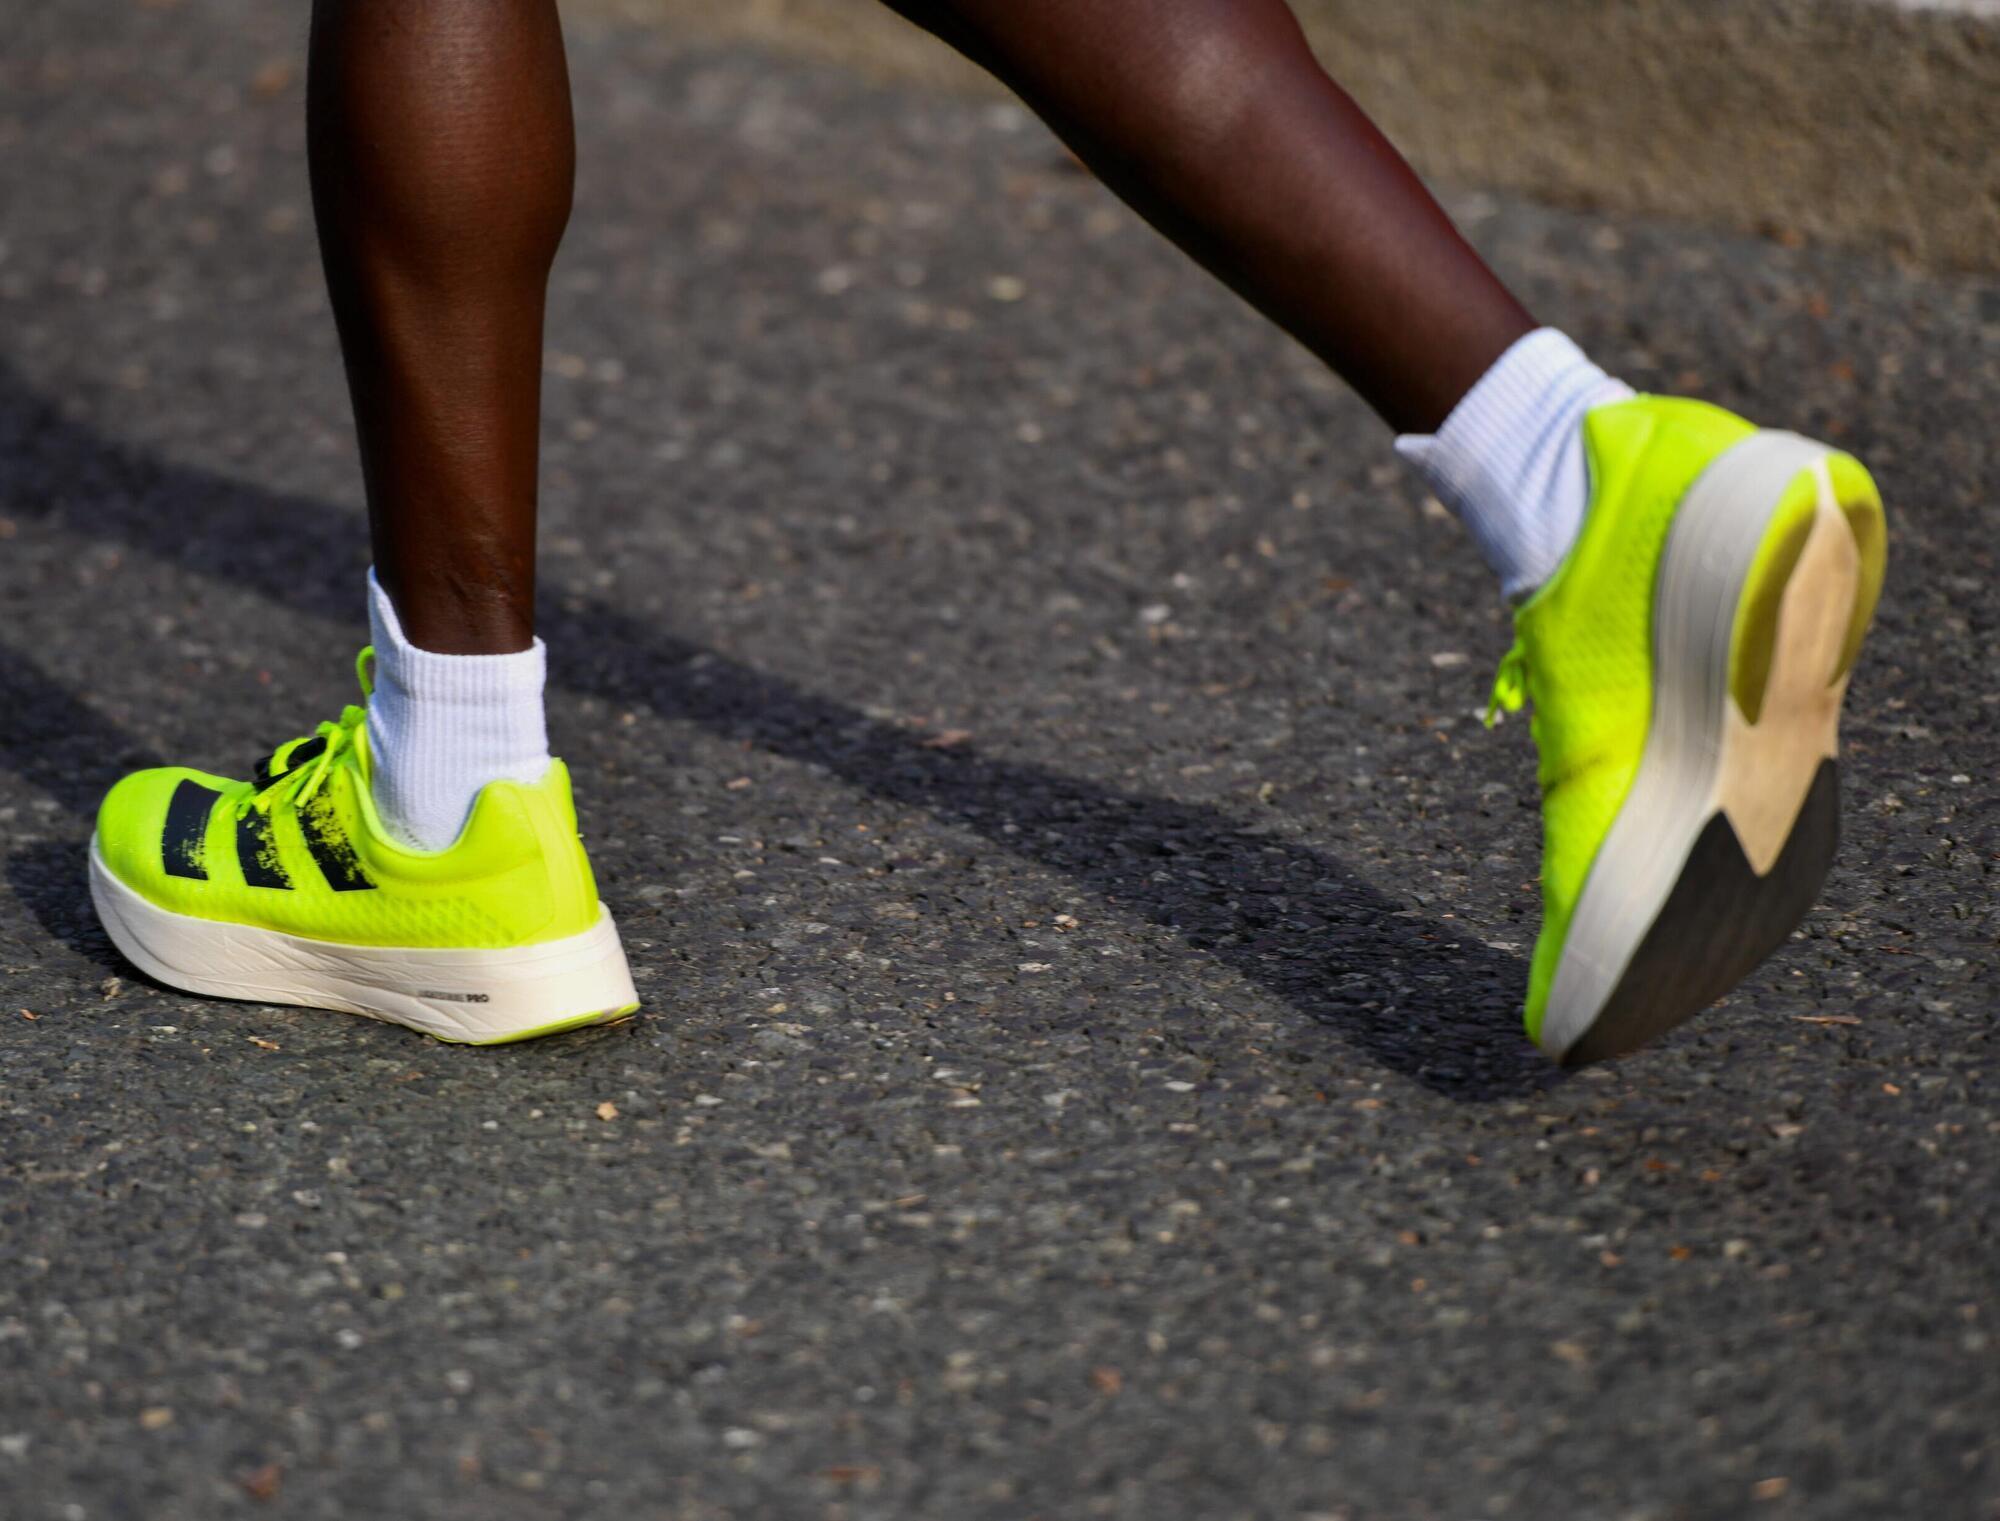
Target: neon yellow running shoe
[[1687, 663], [285, 889]]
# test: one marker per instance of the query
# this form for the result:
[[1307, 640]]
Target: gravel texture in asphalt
[[1025, 723]]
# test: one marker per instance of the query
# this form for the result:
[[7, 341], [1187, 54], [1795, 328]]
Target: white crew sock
[[1510, 462], [440, 727]]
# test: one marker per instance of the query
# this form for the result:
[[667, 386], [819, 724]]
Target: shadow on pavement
[[1398, 986], [65, 748]]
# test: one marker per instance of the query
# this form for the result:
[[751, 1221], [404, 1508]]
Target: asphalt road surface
[[1025, 725]]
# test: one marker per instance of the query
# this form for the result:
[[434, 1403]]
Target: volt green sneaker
[[1687, 664], [285, 889]]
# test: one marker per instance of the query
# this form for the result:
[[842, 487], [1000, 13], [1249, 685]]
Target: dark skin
[[443, 157], [1213, 120]]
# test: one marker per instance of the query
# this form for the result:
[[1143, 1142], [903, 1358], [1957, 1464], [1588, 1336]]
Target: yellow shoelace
[[298, 784], [1510, 685]]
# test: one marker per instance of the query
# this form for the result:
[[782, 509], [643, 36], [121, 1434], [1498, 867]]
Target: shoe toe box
[[155, 823]]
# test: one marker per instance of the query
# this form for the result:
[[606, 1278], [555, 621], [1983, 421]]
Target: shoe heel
[[1808, 595], [1854, 493], [1766, 589], [1833, 496], [492, 998]]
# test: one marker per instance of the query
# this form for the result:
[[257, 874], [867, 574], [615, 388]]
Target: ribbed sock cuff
[[1510, 460], [440, 727]]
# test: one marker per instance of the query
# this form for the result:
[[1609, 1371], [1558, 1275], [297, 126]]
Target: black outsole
[[1720, 921]]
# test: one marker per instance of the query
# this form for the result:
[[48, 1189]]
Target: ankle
[[1510, 460], [442, 726], [489, 614]]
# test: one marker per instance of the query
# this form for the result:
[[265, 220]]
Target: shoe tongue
[[288, 757]]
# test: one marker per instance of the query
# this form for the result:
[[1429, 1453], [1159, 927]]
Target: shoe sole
[[1767, 586], [471, 997]]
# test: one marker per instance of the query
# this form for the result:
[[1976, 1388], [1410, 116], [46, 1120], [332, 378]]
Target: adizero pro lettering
[[1687, 664], [285, 889]]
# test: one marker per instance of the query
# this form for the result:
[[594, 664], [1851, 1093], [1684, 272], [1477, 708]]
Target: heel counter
[[1860, 502], [521, 843], [1671, 439], [573, 883]]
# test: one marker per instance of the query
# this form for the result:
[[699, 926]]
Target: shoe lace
[[1510, 685], [297, 784]]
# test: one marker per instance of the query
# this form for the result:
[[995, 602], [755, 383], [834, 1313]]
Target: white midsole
[[1697, 745], [478, 996]]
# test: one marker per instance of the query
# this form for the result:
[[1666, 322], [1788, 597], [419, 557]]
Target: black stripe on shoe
[[303, 750], [183, 843], [331, 850], [256, 852]]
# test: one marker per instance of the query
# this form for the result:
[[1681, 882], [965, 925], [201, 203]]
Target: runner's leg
[[1710, 572], [442, 159]]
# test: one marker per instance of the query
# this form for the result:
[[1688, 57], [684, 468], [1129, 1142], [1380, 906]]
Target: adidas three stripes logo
[[184, 844]]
